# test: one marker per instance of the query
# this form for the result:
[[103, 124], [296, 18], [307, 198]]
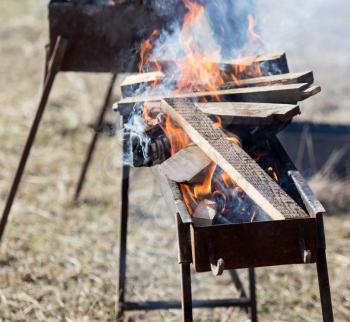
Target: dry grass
[[58, 261]]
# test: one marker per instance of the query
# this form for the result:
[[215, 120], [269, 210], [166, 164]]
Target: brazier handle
[[218, 268]]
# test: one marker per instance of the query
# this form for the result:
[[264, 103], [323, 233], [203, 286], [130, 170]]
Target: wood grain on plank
[[133, 82], [250, 113], [185, 164], [311, 91], [282, 79], [285, 94], [231, 158]]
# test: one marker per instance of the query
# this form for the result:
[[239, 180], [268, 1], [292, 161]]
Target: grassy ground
[[58, 260]]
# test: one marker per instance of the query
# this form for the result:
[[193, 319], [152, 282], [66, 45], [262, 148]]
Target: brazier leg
[[239, 286], [322, 271], [252, 288], [95, 137], [238, 283], [186, 299], [53, 69], [123, 231]]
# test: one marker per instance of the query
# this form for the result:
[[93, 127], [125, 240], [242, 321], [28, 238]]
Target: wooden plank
[[250, 113], [172, 195], [285, 94], [231, 158], [311, 91], [275, 63], [282, 79], [248, 60], [135, 82], [185, 165], [138, 82]]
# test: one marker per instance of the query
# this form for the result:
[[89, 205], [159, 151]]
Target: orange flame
[[146, 49], [235, 139], [178, 139], [251, 29], [196, 66], [188, 197], [249, 66], [273, 173], [218, 123], [204, 189]]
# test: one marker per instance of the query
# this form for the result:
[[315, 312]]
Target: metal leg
[[53, 68], [95, 137], [322, 271], [238, 283], [252, 288], [239, 286], [123, 233], [186, 299], [47, 61]]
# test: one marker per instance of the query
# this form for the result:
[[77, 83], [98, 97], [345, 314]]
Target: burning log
[[185, 164], [206, 214], [233, 160], [150, 153]]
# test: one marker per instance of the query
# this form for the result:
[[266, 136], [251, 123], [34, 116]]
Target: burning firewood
[[206, 213], [136, 84], [233, 160], [204, 106]]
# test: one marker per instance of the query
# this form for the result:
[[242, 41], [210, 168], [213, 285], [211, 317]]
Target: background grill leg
[[53, 68], [95, 137]]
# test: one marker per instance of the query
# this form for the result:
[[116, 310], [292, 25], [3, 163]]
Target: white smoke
[[315, 36], [222, 28]]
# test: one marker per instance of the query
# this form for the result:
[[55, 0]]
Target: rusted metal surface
[[184, 241], [312, 204], [101, 38], [254, 244]]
